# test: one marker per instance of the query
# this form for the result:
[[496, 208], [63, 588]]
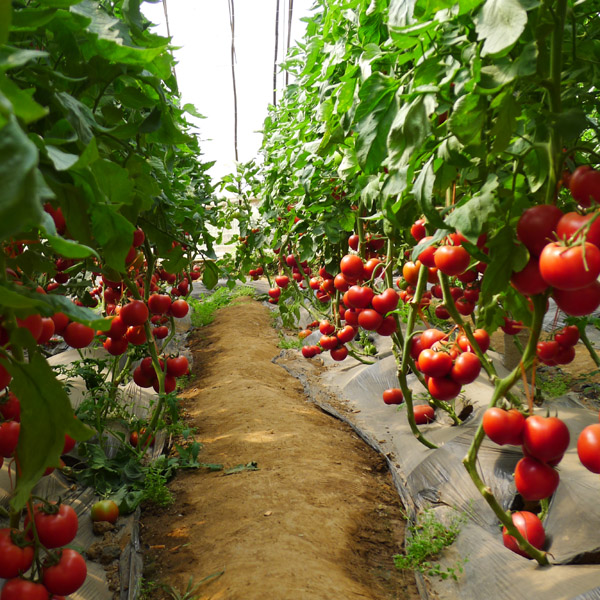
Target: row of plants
[[452, 146], [104, 212]]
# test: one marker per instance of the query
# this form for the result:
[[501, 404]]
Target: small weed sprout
[[427, 540]]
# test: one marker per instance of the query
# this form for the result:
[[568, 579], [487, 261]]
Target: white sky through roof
[[201, 30]]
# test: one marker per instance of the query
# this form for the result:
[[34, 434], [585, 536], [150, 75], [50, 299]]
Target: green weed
[[287, 343], [155, 488], [427, 540], [204, 309]]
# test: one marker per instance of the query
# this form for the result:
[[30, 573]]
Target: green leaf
[[507, 257], [46, 415], [468, 118], [176, 260], [29, 19], [470, 216], [504, 124], [20, 206], [24, 106], [500, 24], [70, 248], [408, 131], [210, 276], [192, 110], [79, 116], [400, 13], [374, 117], [62, 161], [423, 193], [114, 233], [114, 181], [5, 20], [537, 166], [133, 97]]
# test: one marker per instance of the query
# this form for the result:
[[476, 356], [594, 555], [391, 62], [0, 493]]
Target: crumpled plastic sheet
[[437, 479]]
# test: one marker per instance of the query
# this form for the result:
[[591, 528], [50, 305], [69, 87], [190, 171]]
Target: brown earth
[[319, 519]]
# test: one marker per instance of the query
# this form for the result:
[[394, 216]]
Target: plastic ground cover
[[437, 480]]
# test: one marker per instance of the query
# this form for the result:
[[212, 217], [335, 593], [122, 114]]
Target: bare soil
[[319, 519]]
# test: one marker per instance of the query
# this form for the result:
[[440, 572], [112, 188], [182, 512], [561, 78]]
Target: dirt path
[[318, 520]]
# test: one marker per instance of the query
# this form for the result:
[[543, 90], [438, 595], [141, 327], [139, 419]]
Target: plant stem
[[502, 386]]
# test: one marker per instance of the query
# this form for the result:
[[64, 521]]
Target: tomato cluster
[[57, 571]]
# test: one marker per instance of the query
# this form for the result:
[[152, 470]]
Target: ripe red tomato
[[434, 364], [106, 510], [511, 327], [68, 575], [60, 322], [418, 230], [534, 479], [177, 366], [427, 256], [578, 303], [530, 527], [346, 334], [352, 267], [423, 414], [310, 351], [170, 384], [179, 309], [441, 312], [136, 335], [141, 379], [388, 326], [584, 185], [33, 323], [452, 260], [47, 331], [443, 388], [570, 268], [481, 337], [116, 346], [370, 319], [386, 301], [464, 307], [134, 313], [10, 407], [466, 368], [159, 304], [56, 524], [567, 336], [393, 396], [565, 355], [537, 225], [78, 335], [282, 281], [547, 349], [373, 266], [9, 438], [160, 332], [588, 448], [19, 589], [359, 296], [504, 427], [16, 553], [326, 328], [340, 353], [545, 438], [138, 237], [571, 224], [529, 281], [329, 342], [430, 336], [353, 241]]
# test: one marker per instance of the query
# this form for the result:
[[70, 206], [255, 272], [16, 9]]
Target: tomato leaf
[[71, 249], [470, 216], [46, 415], [5, 20], [210, 276], [537, 166], [374, 117], [468, 118], [20, 206], [114, 233], [500, 24]]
